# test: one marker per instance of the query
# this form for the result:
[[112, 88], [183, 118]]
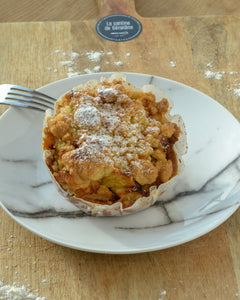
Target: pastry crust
[[112, 148]]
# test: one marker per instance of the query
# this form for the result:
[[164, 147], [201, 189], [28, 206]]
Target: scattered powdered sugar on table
[[236, 92], [75, 55], [216, 75], [219, 75], [118, 63], [163, 293], [67, 63], [209, 65], [44, 281], [94, 70], [210, 74], [73, 60], [97, 69], [95, 56], [73, 74], [17, 292], [88, 71], [173, 64]]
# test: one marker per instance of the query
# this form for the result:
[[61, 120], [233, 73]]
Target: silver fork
[[16, 95]]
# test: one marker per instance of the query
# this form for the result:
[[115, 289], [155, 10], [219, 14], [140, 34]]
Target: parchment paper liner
[[116, 209]]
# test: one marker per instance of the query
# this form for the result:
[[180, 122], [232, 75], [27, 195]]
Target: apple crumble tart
[[112, 148]]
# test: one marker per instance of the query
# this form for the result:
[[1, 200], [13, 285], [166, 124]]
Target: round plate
[[203, 196]]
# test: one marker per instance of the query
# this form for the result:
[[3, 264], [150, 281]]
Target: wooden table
[[206, 268], [61, 10]]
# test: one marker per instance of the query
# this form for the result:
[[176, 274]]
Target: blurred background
[[61, 10]]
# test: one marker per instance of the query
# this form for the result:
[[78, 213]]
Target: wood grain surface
[[206, 268], [62, 10]]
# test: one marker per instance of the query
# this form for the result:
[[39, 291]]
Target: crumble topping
[[110, 142]]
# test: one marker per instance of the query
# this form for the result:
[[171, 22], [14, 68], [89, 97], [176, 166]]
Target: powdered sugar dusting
[[93, 147], [209, 65], [66, 63], [17, 292], [97, 69], [78, 61], [237, 92], [108, 131], [215, 75], [107, 93], [210, 73], [94, 70], [88, 71], [73, 74], [87, 116], [75, 55], [95, 56], [95, 142], [118, 63]]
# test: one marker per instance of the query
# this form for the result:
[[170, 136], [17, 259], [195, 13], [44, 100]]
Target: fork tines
[[28, 98]]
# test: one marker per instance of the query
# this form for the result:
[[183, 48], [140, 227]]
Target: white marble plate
[[203, 197]]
